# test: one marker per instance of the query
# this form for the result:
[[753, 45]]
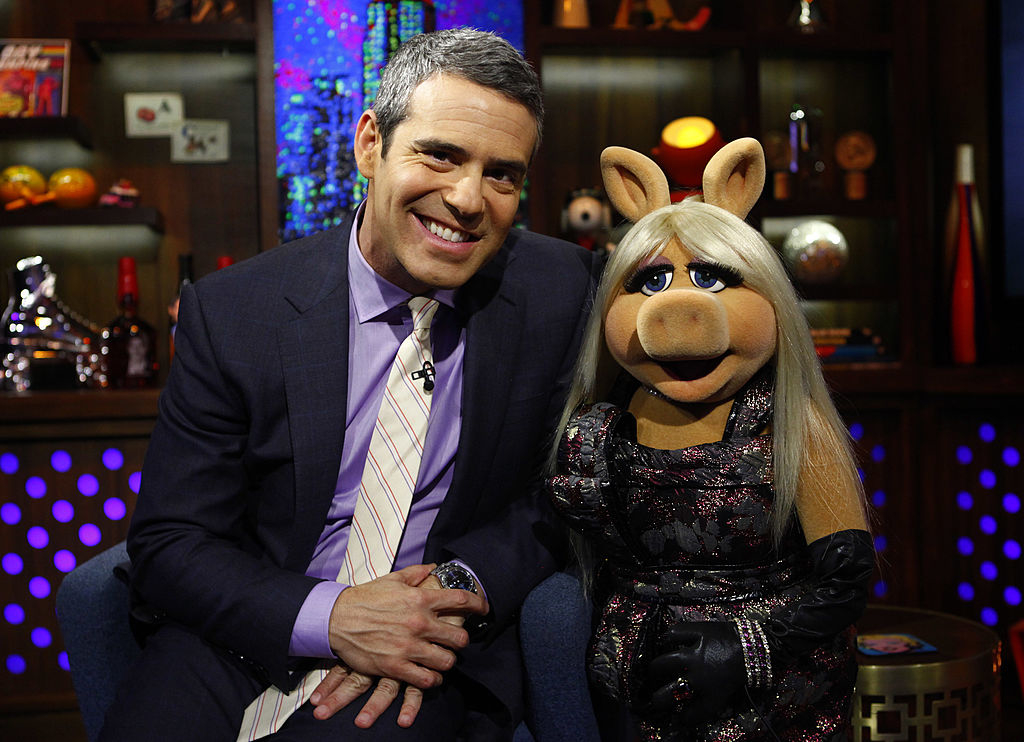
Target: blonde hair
[[804, 417]]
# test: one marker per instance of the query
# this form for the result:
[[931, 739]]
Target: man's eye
[[705, 278], [657, 281]]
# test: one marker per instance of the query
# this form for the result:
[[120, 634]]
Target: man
[[253, 471]]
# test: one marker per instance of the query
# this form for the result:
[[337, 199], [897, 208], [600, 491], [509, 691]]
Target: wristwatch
[[454, 576]]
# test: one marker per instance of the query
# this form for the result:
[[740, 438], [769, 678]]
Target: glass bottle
[[128, 343], [185, 277]]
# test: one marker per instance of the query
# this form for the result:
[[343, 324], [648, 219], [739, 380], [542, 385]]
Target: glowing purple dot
[[63, 511], [856, 431], [8, 463], [35, 487], [60, 461], [14, 613], [41, 637], [64, 561], [987, 524], [988, 570], [881, 589], [989, 617], [964, 501], [878, 453], [966, 591], [114, 508], [113, 459], [881, 543], [135, 481], [1012, 549], [1011, 503], [964, 455], [38, 537], [16, 664], [878, 498], [1011, 595], [987, 432], [88, 485], [62, 661], [89, 534], [1011, 456], [39, 587], [12, 563], [965, 546], [987, 477], [860, 473], [10, 513]]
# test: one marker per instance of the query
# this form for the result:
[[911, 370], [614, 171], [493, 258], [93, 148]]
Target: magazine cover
[[34, 77]]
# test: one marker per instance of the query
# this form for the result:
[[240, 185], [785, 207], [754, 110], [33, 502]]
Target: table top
[[953, 637]]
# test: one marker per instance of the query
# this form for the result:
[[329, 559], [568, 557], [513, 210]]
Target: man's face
[[442, 201]]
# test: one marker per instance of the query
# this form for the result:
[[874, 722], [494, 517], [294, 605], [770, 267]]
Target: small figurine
[[122, 194], [706, 469], [587, 219]]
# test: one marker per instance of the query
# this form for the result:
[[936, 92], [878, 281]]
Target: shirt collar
[[372, 294]]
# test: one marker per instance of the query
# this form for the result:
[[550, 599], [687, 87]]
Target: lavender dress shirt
[[380, 322]]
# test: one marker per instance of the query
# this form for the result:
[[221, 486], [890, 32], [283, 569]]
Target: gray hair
[[480, 57], [804, 417]]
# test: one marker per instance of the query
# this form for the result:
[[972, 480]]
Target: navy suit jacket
[[245, 454]]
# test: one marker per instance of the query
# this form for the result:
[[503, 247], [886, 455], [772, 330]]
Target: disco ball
[[815, 251]]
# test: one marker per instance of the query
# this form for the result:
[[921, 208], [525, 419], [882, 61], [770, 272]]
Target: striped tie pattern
[[385, 494]]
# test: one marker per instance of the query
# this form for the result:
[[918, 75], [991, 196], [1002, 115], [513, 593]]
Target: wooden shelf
[[52, 216], [21, 407], [167, 37], [46, 127]]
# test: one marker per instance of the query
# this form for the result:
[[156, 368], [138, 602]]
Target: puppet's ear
[[635, 185], [734, 177]]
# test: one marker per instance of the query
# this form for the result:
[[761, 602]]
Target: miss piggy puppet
[[709, 474]]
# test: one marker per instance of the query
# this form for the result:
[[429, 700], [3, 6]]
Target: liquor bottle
[[965, 264], [128, 343], [185, 277]]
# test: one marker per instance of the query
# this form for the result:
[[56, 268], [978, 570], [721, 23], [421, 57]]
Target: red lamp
[[687, 144]]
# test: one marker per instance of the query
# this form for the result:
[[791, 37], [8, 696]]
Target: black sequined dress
[[684, 536]]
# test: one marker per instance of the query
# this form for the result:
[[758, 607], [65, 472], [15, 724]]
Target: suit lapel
[[489, 309], [314, 359]]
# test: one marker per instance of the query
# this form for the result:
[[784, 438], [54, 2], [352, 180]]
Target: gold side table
[[950, 695]]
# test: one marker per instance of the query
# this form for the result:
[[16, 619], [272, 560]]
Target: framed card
[[201, 140], [152, 114]]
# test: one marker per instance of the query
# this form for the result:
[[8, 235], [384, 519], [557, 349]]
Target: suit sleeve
[[191, 539]]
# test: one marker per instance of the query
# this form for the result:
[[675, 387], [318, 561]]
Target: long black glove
[[713, 660]]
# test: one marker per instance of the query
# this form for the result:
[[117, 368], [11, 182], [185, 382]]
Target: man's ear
[[367, 143], [635, 184]]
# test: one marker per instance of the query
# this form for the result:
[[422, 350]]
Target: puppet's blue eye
[[657, 281], [706, 278]]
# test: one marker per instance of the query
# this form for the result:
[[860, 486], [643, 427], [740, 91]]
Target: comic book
[[34, 77]]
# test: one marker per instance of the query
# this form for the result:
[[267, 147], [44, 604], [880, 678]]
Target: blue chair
[[93, 609]]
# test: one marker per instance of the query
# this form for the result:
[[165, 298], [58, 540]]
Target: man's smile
[[445, 232]]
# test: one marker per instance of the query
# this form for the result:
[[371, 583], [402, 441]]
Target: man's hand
[[389, 610]]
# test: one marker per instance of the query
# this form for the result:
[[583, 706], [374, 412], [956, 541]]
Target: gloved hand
[[699, 678]]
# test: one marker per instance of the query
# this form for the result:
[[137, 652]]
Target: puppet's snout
[[683, 324]]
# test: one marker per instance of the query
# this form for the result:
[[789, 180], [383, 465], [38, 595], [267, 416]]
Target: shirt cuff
[[311, 632]]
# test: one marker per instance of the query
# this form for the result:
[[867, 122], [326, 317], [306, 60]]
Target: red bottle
[[128, 343]]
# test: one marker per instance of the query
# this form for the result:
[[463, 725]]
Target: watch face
[[454, 577]]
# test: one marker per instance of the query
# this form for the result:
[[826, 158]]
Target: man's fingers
[[382, 697], [410, 706], [331, 681], [353, 685]]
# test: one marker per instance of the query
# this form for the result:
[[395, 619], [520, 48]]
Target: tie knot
[[422, 309]]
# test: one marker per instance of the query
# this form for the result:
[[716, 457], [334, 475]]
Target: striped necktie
[[385, 494]]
